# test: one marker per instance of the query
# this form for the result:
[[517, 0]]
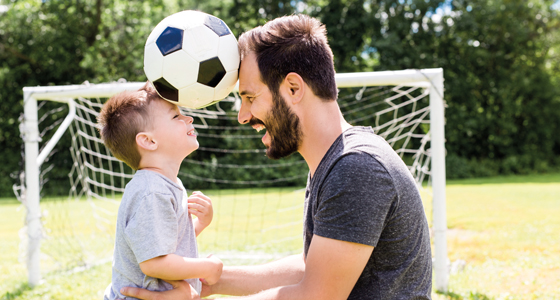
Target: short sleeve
[[355, 200], [152, 231]]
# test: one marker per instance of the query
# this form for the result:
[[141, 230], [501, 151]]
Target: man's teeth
[[259, 128]]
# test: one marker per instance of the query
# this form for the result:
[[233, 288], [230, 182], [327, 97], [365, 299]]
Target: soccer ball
[[192, 59]]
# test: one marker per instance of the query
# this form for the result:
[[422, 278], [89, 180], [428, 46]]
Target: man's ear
[[294, 86], [144, 140]]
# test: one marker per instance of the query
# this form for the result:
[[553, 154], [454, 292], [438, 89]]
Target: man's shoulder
[[359, 147], [364, 139], [362, 152]]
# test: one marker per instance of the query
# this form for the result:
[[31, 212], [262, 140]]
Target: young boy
[[156, 236]]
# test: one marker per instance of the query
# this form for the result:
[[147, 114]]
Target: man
[[365, 231]]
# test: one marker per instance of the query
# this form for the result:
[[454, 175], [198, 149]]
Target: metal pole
[[437, 123], [33, 222], [58, 134]]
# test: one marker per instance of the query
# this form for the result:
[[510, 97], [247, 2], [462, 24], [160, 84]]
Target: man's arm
[[248, 280], [175, 267], [331, 271]]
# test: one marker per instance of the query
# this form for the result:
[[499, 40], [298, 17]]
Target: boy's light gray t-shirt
[[153, 220]]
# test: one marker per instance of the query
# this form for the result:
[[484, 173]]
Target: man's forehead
[[249, 78]]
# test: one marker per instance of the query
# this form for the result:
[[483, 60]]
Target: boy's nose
[[189, 119]]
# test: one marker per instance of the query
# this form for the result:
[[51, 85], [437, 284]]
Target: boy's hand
[[200, 205], [216, 267]]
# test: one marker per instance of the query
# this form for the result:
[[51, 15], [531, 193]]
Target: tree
[[65, 42], [500, 59], [502, 102]]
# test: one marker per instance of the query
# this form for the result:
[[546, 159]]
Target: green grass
[[506, 229]]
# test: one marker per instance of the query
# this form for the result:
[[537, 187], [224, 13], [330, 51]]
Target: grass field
[[505, 229]]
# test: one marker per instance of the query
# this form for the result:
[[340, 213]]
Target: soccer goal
[[258, 203]]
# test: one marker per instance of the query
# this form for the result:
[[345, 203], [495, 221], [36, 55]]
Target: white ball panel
[[185, 19], [179, 20], [153, 62], [196, 96], [201, 42], [180, 69], [226, 85], [194, 18], [228, 52]]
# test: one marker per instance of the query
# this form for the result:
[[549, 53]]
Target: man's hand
[[200, 205], [181, 291], [206, 289]]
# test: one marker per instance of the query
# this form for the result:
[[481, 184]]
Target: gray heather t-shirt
[[362, 192], [153, 220]]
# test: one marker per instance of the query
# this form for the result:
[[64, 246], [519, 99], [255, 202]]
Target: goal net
[[258, 202]]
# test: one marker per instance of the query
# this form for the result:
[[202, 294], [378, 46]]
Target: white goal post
[[430, 80]]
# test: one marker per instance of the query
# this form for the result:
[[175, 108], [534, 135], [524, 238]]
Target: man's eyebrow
[[243, 93]]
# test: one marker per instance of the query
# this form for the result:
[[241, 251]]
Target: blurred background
[[501, 61]]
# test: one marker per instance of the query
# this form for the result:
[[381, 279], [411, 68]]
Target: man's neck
[[321, 127]]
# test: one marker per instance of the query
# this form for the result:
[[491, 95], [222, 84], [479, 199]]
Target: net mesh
[[258, 202]]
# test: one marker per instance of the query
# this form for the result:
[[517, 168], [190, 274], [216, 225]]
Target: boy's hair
[[296, 43], [122, 118]]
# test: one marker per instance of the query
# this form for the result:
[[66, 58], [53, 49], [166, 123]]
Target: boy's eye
[[176, 116]]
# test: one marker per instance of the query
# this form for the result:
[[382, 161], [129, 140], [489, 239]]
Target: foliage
[[502, 102], [500, 60], [64, 42]]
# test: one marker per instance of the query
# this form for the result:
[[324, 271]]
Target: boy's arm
[[175, 267], [198, 227], [200, 205]]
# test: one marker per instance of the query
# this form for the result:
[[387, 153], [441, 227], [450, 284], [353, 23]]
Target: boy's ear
[[144, 140], [294, 86]]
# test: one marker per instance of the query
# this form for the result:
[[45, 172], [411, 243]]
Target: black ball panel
[[210, 72], [170, 40], [166, 90]]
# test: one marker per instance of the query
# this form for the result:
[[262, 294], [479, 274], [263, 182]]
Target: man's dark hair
[[296, 43]]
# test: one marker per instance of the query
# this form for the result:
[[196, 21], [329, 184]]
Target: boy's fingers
[[197, 206], [199, 201], [201, 195]]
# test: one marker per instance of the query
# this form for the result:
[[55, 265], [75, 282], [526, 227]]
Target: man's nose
[[244, 114]]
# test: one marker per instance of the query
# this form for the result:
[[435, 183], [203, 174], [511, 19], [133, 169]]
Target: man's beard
[[283, 127]]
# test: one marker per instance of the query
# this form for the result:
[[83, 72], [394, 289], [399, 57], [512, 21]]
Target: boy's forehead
[[163, 106], [157, 109]]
